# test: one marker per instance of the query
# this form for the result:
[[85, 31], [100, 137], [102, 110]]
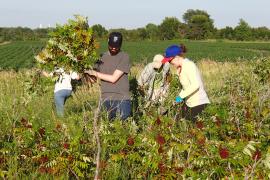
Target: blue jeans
[[60, 98], [112, 106]]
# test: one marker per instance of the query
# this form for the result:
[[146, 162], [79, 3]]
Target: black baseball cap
[[115, 39]]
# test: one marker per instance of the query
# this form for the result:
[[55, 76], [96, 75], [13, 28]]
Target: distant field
[[18, 55]]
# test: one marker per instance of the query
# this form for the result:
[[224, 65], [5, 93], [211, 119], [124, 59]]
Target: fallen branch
[[73, 172]]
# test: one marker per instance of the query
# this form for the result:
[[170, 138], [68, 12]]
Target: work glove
[[178, 99]]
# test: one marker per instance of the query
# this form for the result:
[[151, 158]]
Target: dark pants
[[122, 106], [191, 113]]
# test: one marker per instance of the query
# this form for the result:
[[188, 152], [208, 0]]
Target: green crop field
[[218, 51], [18, 55]]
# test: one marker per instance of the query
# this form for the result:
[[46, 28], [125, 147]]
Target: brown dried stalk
[[95, 126]]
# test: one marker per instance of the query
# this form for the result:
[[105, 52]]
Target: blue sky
[[130, 14]]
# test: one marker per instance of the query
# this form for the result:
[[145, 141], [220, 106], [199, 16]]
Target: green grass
[[18, 55], [236, 96]]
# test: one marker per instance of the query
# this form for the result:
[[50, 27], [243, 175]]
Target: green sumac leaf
[[71, 46]]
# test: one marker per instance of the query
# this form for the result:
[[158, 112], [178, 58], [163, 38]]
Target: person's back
[[62, 87], [64, 80], [153, 79], [147, 75]]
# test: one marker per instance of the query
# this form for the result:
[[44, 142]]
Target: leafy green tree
[[187, 17], [132, 34], [242, 32], [261, 33], [23, 34], [226, 33], [183, 30], [169, 28], [152, 31], [41, 33], [99, 31], [142, 33], [200, 25]]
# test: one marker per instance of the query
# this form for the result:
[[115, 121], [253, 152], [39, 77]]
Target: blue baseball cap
[[171, 52]]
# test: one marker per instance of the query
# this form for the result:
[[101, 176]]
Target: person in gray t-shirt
[[113, 72]]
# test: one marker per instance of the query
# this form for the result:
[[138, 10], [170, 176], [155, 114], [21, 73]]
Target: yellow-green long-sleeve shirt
[[192, 86]]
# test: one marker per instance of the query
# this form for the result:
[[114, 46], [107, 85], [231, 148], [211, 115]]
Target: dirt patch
[[6, 42]]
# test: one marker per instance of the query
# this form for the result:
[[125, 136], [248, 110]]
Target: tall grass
[[16, 103], [232, 87]]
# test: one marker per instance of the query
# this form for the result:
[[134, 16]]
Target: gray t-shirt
[[120, 89]]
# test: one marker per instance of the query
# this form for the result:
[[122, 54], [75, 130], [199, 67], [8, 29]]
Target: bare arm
[[113, 78], [44, 73]]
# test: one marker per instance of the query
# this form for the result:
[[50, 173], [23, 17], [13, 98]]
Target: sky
[[130, 14]]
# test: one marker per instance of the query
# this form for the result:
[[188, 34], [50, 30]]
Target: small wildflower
[[199, 124], [130, 141], [43, 159], [66, 145], [158, 121], [161, 167], [224, 153], [179, 170], [160, 139]]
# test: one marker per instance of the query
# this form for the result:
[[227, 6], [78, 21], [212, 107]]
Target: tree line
[[22, 34], [196, 25]]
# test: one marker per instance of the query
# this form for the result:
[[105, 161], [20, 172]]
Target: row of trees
[[196, 25], [22, 34]]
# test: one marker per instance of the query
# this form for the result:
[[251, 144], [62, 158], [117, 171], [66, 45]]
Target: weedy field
[[230, 140]]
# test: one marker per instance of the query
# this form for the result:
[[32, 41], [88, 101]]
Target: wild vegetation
[[71, 46], [230, 140]]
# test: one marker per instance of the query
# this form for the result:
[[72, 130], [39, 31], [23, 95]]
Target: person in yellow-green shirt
[[192, 93]]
